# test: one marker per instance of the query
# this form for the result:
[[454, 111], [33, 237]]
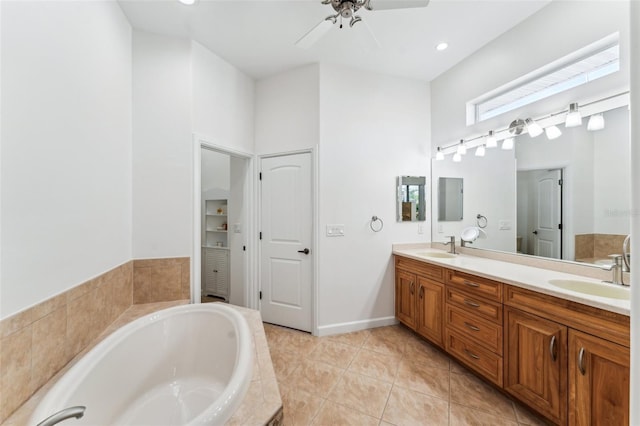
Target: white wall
[[555, 31], [161, 146], [612, 167], [238, 214], [489, 189], [66, 146], [373, 128], [216, 170], [288, 111], [222, 101]]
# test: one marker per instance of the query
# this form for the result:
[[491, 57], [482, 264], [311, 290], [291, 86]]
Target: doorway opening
[[222, 226], [539, 213]]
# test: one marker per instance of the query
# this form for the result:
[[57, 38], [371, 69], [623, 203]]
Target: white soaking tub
[[187, 365]]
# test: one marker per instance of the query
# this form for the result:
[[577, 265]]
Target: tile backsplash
[[37, 342]]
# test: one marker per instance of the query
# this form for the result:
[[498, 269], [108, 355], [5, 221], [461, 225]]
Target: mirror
[[450, 197], [411, 198], [567, 198]]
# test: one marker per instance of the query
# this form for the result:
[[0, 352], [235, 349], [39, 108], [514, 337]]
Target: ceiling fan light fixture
[[439, 155], [533, 128], [442, 46], [596, 122], [462, 150], [574, 118]]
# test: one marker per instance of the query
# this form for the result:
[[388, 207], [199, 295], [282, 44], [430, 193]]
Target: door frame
[[250, 286], [315, 230]]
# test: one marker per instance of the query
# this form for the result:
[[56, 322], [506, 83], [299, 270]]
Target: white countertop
[[528, 277]]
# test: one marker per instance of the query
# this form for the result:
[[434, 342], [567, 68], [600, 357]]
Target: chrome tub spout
[[62, 415]]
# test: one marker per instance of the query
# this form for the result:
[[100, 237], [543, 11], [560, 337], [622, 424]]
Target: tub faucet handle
[[62, 415]]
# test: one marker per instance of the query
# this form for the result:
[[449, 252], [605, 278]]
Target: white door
[[547, 213], [286, 230]]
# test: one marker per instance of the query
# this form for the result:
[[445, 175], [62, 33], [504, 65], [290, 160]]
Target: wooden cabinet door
[[429, 310], [536, 363], [598, 381], [405, 298]]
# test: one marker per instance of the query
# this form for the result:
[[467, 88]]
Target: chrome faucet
[[65, 414], [626, 255], [452, 241], [616, 268]]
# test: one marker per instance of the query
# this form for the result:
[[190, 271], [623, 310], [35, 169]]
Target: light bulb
[[457, 158], [491, 141], [507, 144], [553, 132], [596, 122], [442, 46], [462, 150], [574, 118], [480, 151], [439, 155], [533, 128]]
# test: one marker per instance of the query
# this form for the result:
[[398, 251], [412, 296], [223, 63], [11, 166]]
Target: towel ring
[[375, 219], [479, 219]]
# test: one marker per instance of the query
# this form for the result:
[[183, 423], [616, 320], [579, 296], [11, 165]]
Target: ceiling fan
[[346, 9]]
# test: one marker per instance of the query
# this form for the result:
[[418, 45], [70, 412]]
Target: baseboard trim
[[347, 327]]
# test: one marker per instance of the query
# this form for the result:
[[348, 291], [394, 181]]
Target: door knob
[[535, 232], [305, 251]]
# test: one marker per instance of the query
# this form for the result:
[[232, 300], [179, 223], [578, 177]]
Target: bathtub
[[187, 365]]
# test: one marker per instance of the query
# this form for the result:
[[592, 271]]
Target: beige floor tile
[[526, 417], [332, 414], [300, 407], [284, 363], [469, 391], [466, 416], [336, 354], [385, 344], [356, 338], [373, 364], [361, 393], [406, 407], [458, 368], [425, 353], [423, 379], [301, 343], [316, 378]]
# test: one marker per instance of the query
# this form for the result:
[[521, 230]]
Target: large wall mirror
[[567, 198]]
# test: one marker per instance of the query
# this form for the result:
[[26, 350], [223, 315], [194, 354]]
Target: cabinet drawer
[[484, 333], [488, 310], [427, 270], [480, 360], [477, 286]]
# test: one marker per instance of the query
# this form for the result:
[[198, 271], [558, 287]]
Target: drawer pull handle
[[470, 303], [421, 292], [581, 362], [553, 349], [411, 288], [471, 283], [471, 326], [471, 354]]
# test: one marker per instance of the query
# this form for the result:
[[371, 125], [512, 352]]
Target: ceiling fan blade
[[396, 4], [310, 38]]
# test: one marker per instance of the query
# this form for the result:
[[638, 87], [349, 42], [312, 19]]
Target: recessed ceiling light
[[188, 2], [442, 46]]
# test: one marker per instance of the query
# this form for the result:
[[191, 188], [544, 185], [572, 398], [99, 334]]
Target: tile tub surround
[[37, 342], [382, 376], [592, 247], [262, 404], [161, 280]]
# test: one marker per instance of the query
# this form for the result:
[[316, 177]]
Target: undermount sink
[[595, 289], [436, 254]]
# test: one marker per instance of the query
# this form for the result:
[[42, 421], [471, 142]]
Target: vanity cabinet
[[473, 323], [536, 363], [420, 298], [598, 381]]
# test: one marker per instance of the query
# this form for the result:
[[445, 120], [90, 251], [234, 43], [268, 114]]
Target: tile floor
[[383, 376]]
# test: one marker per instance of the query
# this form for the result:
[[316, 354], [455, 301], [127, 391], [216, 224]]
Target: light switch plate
[[504, 225], [335, 230]]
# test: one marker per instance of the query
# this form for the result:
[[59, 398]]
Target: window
[[587, 64]]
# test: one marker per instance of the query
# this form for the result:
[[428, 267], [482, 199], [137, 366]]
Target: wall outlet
[[335, 230], [420, 228]]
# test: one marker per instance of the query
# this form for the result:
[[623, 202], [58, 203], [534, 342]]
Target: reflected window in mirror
[[411, 198], [450, 199]]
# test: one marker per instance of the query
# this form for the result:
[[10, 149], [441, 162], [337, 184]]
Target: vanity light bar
[[534, 129]]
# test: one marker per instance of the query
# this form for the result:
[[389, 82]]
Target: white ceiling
[[258, 36]]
